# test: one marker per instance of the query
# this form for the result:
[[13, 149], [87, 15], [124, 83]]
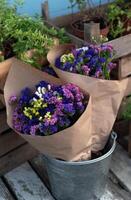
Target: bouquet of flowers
[[90, 67], [54, 117], [94, 61]]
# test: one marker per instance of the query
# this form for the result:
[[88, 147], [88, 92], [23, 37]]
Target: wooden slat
[[38, 164], [121, 167], [16, 157], [4, 193], [3, 123], [114, 192], [122, 45], [9, 141], [26, 184], [125, 66]]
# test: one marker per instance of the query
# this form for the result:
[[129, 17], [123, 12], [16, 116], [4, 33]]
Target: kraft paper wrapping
[[106, 97], [4, 69], [72, 143]]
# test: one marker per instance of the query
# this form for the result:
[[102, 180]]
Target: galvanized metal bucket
[[84, 180]]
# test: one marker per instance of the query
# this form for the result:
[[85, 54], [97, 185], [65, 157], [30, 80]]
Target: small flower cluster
[[51, 108], [94, 61]]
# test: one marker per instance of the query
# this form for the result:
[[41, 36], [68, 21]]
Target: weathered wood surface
[[4, 193], [114, 192], [26, 184], [16, 157], [125, 66], [9, 141], [38, 165], [121, 167], [122, 45], [3, 123]]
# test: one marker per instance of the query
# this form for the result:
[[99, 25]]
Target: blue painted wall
[[56, 7], [60, 7]]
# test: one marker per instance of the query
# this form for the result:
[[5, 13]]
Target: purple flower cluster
[[51, 108], [94, 61]]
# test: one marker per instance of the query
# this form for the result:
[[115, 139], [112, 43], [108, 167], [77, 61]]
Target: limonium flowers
[[94, 61], [47, 110]]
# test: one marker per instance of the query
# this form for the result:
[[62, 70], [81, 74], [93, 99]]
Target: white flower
[[49, 87], [38, 94], [43, 90], [34, 99], [83, 48], [39, 89]]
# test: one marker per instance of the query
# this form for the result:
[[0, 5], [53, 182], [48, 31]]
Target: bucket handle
[[114, 136]]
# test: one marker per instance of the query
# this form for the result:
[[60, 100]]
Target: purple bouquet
[[51, 108], [94, 61]]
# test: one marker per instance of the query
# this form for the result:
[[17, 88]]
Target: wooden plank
[[125, 66], [26, 184], [9, 141], [39, 166], [4, 193], [122, 45], [3, 123], [114, 192], [121, 167], [16, 157]]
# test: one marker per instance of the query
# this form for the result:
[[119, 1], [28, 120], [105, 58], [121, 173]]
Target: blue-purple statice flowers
[[94, 61], [47, 110]]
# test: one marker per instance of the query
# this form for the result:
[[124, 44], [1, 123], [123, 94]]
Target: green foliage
[[22, 33], [127, 111], [118, 13]]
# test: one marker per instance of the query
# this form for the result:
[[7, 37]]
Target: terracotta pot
[[104, 32], [77, 32], [80, 33]]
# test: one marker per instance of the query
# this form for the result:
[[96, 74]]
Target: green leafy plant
[[19, 34], [127, 111], [119, 12]]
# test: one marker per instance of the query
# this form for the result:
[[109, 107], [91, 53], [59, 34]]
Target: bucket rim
[[113, 136]]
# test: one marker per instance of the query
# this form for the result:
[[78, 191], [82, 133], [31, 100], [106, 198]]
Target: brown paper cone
[[106, 97], [4, 69], [70, 144]]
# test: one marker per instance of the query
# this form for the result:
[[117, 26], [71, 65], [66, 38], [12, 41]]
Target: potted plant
[[119, 17], [95, 15]]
